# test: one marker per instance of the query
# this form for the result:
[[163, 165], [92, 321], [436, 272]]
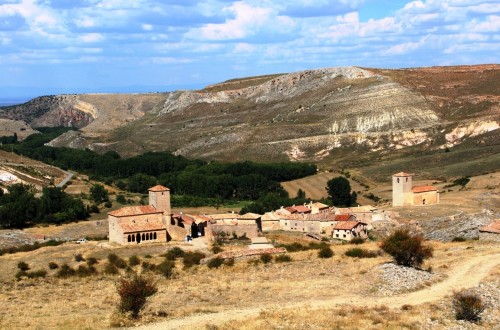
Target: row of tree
[[20, 208]]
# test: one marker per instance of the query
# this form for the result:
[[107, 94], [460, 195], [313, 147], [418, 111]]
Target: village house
[[142, 224], [490, 232], [403, 192], [318, 207], [347, 230]]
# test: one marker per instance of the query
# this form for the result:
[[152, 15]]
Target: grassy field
[[90, 303]]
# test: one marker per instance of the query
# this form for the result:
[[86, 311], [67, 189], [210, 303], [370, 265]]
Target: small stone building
[[490, 232], [403, 192], [347, 230], [142, 224]]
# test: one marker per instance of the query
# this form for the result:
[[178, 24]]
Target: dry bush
[[283, 258], [468, 306], [215, 262], [325, 252], [53, 265], [406, 248], [117, 261], [134, 260], [23, 266], [191, 259], [65, 271], [266, 258], [134, 293], [79, 257], [174, 253], [361, 253], [92, 261], [166, 269]]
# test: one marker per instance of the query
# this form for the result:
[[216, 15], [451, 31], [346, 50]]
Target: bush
[[134, 260], [92, 261], [121, 199], [407, 249], [283, 258], [192, 258], [459, 239], [468, 306], [174, 253], [134, 294], [79, 257], [266, 258], [84, 271], [148, 266], [357, 240], [23, 266], [33, 274], [325, 252], [294, 247], [20, 274], [53, 265], [215, 262], [117, 261], [111, 269], [229, 262], [360, 253], [166, 268], [216, 249], [65, 271]]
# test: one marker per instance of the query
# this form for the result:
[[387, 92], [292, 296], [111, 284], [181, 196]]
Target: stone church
[[142, 224], [403, 192]]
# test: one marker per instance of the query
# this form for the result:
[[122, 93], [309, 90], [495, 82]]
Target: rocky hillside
[[315, 115]]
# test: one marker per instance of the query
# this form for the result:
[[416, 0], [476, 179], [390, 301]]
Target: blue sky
[[77, 46]]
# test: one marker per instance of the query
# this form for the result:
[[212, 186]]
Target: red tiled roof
[[423, 189], [342, 217], [493, 227], [134, 210], [302, 209], [346, 225], [130, 226], [402, 174], [158, 188], [291, 209]]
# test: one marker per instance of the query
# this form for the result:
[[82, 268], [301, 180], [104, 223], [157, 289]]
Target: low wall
[[249, 231], [484, 236]]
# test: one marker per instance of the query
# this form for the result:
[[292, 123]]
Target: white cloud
[[246, 21], [147, 27], [92, 37], [491, 24]]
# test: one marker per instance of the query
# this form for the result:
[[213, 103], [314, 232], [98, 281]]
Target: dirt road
[[464, 275]]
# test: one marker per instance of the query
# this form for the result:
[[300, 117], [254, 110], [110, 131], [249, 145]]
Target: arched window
[[143, 237], [406, 179], [138, 238], [147, 237], [129, 239], [398, 180], [133, 238], [154, 235]]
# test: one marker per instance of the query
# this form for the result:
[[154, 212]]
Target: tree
[[99, 193], [301, 193], [134, 294], [339, 191], [406, 248]]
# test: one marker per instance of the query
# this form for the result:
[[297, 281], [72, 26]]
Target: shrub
[[468, 306], [266, 258], [325, 252], [134, 260], [192, 258], [79, 257], [360, 253], [111, 269], [84, 271], [117, 261], [357, 240], [92, 261], [174, 253], [121, 199], [148, 266], [166, 268], [229, 262], [134, 294], [294, 247], [23, 266], [37, 273], [407, 249], [459, 239], [215, 262], [283, 258], [65, 271], [20, 274], [53, 265], [216, 249]]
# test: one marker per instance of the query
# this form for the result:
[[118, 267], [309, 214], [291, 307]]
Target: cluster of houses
[[156, 223]]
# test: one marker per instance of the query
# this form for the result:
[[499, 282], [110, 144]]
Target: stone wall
[[249, 231], [484, 236]]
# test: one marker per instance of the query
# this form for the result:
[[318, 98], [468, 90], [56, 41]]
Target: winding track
[[464, 275]]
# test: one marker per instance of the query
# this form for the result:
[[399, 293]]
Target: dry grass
[[90, 303]]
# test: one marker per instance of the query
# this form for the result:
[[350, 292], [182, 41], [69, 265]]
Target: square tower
[[402, 193], [159, 198]]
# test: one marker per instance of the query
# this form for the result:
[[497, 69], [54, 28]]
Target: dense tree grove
[[20, 208], [242, 180], [339, 191]]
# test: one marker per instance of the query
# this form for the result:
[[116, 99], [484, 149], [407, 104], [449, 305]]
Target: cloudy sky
[[75, 46]]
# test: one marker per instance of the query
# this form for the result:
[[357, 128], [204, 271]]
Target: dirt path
[[464, 275]]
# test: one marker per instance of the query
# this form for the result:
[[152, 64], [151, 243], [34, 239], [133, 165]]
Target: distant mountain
[[329, 116]]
